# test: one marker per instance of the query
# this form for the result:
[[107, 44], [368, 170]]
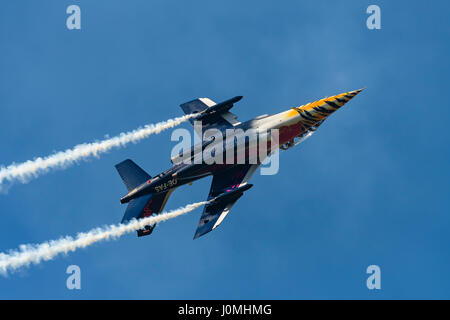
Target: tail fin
[[131, 174]]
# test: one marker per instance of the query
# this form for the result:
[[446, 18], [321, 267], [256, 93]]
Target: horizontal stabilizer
[[146, 206], [135, 208]]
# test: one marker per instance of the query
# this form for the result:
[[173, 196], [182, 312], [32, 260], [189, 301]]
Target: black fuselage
[[172, 178]]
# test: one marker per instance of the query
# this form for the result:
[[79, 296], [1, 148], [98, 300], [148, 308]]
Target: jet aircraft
[[148, 195]]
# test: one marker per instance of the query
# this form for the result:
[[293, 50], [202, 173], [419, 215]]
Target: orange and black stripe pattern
[[313, 112]]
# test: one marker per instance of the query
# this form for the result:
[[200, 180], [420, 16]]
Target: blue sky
[[370, 187]]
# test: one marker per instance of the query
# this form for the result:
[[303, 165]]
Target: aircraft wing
[[223, 183], [225, 120]]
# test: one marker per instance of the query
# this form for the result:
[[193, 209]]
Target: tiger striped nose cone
[[319, 110]]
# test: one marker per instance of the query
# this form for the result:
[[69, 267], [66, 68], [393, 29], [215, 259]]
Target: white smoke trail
[[23, 172], [36, 253]]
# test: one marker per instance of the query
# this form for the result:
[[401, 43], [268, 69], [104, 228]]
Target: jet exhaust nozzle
[[124, 199]]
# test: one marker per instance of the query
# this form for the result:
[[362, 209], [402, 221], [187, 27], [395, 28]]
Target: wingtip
[[197, 235], [200, 233]]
